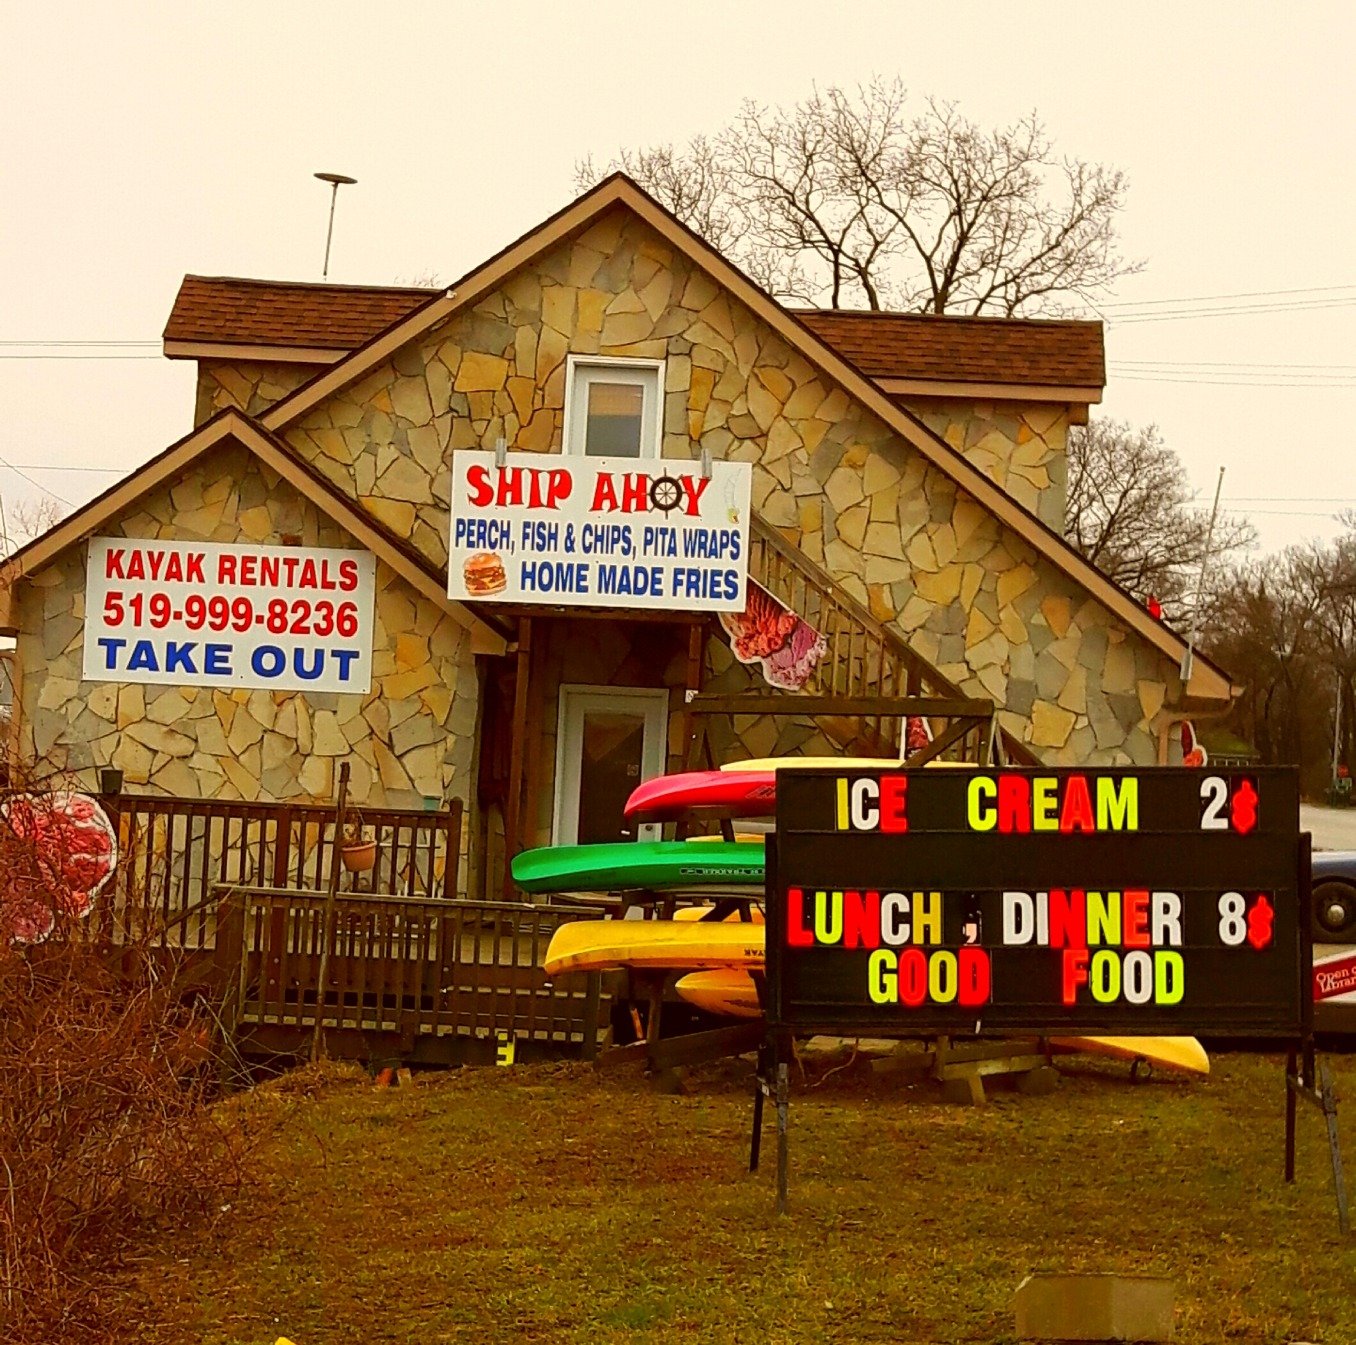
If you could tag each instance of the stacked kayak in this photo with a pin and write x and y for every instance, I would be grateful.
(719, 958)
(704, 865)
(655, 865)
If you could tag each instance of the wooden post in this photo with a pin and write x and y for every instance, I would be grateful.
(517, 749)
(452, 862)
(531, 744)
(783, 1109)
(327, 928)
(593, 999)
(696, 652)
(1328, 1101)
(1292, 1084)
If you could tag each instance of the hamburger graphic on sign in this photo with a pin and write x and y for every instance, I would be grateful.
(563, 530)
(483, 574)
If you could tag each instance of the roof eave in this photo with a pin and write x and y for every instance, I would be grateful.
(249, 350)
(1072, 394)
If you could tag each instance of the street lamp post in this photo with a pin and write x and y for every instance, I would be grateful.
(336, 180)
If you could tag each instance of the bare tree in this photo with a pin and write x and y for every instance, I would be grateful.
(1331, 573)
(1262, 625)
(24, 519)
(1129, 510)
(845, 198)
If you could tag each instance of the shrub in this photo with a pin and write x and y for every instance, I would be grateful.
(106, 1127)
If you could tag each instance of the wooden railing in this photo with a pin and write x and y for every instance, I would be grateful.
(864, 656)
(401, 965)
(175, 851)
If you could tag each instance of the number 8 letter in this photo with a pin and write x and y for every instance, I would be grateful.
(1233, 928)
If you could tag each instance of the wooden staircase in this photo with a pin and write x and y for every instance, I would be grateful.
(864, 657)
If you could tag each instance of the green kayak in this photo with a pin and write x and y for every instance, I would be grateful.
(636, 864)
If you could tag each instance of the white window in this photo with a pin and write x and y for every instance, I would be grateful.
(613, 408)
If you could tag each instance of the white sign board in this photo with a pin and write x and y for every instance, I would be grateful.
(284, 618)
(599, 532)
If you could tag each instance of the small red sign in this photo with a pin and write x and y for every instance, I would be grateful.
(1335, 976)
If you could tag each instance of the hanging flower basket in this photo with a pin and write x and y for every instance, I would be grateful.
(358, 856)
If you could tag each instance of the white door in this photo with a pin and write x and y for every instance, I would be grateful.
(608, 739)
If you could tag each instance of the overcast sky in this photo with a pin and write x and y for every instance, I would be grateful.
(139, 142)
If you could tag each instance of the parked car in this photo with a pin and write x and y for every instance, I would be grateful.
(1334, 886)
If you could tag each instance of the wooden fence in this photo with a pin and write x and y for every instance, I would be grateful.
(403, 973)
(175, 851)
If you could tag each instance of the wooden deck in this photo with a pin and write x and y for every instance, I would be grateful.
(408, 977)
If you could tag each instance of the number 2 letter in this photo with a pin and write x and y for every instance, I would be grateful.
(1214, 798)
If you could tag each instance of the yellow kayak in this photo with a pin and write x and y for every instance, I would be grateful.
(727, 992)
(690, 913)
(680, 945)
(732, 993)
(1180, 1053)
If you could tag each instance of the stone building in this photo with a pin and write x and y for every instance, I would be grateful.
(907, 469)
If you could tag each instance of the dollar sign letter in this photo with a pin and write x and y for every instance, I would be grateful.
(1260, 915)
(1243, 808)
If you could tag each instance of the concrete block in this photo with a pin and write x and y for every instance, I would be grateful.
(1095, 1308)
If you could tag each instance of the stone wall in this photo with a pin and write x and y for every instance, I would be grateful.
(250, 386)
(1020, 446)
(973, 598)
(412, 735)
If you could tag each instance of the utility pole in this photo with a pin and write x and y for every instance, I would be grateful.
(1188, 659)
(1337, 734)
(336, 180)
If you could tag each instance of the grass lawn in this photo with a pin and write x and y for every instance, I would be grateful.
(545, 1203)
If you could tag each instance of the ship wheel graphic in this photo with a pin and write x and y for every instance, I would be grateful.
(665, 493)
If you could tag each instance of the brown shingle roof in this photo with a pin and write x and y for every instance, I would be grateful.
(964, 349)
(221, 310)
(224, 310)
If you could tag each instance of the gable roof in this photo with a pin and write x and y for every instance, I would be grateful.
(1208, 681)
(232, 426)
(322, 322)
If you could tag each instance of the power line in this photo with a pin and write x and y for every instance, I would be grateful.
(1292, 513)
(49, 467)
(19, 470)
(1224, 364)
(79, 343)
(1234, 383)
(1171, 376)
(1213, 298)
(1194, 371)
(1241, 310)
(7, 356)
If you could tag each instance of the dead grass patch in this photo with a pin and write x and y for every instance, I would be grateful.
(550, 1204)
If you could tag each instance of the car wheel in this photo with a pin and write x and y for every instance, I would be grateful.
(1334, 912)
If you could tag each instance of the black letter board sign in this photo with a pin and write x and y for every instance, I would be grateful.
(1158, 901)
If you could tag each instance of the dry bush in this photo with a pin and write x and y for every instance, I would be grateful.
(106, 1131)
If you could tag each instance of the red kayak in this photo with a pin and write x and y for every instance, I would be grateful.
(711, 794)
